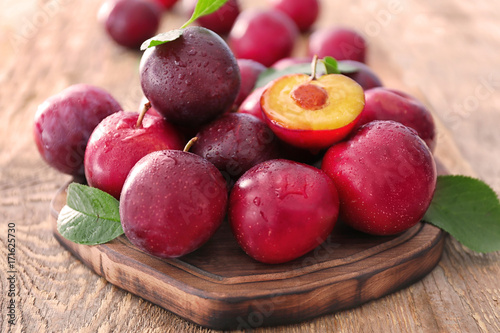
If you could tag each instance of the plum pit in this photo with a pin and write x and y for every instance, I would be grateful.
(310, 96)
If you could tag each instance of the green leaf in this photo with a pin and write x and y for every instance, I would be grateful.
(204, 7)
(469, 210)
(162, 38)
(345, 68)
(90, 216)
(271, 74)
(331, 65)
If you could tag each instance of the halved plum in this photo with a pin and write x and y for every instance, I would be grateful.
(312, 113)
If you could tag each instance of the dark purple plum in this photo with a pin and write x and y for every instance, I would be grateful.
(64, 122)
(172, 202)
(192, 79)
(236, 142)
(130, 22)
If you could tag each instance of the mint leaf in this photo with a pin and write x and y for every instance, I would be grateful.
(162, 38)
(331, 65)
(469, 210)
(272, 74)
(90, 216)
(204, 7)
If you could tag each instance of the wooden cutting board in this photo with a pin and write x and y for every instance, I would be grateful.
(220, 287)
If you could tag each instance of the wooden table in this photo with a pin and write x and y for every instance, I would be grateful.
(445, 53)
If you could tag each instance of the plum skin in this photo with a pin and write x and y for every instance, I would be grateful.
(280, 209)
(172, 202)
(251, 104)
(314, 140)
(389, 104)
(250, 71)
(265, 36)
(166, 4)
(130, 22)
(221, 21)
(236, 142)
(290, 61)
(192, 79)
(385, 176)
(364, 75)
(303, 12)
(64, 123)
(116, 145)
(340, 43)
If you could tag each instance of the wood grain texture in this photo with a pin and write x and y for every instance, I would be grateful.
(445, 52)
(220, 287)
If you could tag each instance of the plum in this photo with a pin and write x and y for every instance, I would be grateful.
(251, 104)
(312, 113)
(166, 4)
(192, 79)
(250, 71)
(236, 142)
(340, 43)
(385, 176)
(390, 104)
(290, 61)
(130, 22)
(64, 122)
(279, 210)
(221, 21)
(303, 12)
(118, 142)
(172, 202)
(263, 35)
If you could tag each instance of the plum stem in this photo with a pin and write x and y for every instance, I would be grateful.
(147, 106)
(190, 144)
(313, 67)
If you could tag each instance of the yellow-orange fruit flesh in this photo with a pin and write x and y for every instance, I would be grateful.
(337, 101)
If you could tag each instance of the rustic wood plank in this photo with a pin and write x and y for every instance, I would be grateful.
(446, 52)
